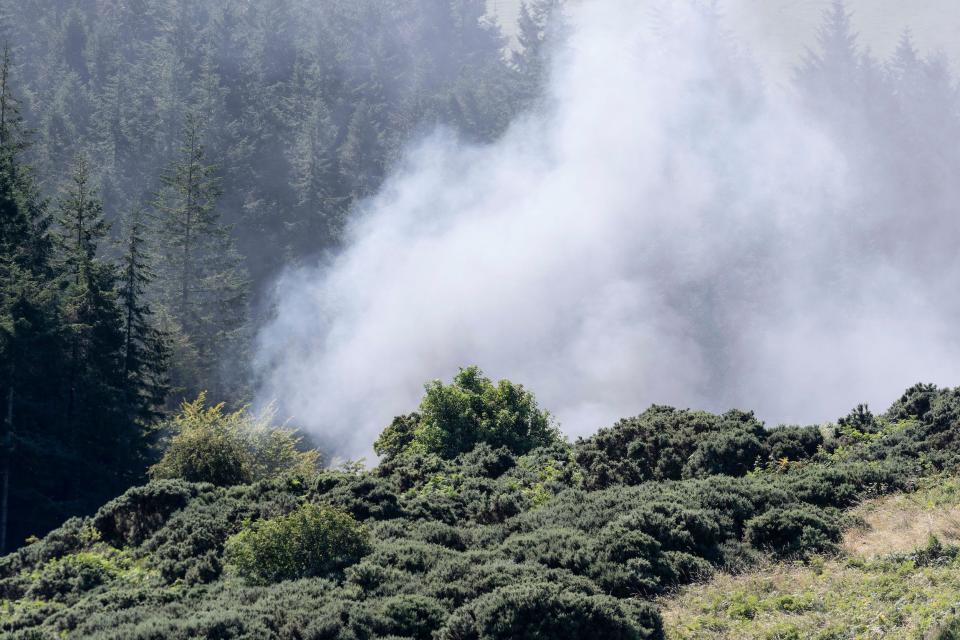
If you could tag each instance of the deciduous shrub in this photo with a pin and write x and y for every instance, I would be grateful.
(313, 541)
(454, 418)
(210, 445)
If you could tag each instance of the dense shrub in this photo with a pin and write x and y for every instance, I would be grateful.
(915, 403)
(540, 611)
(412, 616)
(630, 563)
(73, 574)
(794, 443)
(664, 443)
(454, 418)
(732, 452)
(134, 516)
(209, 445)
(365, 496)
(313, 541)
(560, 541)
(556, 548)
(795, 531)
(68, 538)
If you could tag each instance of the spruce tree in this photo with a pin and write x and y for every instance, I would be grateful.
(832, 73)
(203, 286)
(81, 227)
(100, 430)
(145, 351)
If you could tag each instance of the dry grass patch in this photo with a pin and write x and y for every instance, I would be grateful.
(902, 522)
(880, 587)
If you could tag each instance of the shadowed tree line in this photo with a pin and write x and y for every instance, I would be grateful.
(159, 162)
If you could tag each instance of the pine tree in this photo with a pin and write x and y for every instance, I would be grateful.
(203, 285)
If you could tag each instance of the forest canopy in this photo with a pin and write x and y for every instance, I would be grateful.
(160, 163)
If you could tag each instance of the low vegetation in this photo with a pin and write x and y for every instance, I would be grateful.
(896, 577)
(481, 523)
(313, 541)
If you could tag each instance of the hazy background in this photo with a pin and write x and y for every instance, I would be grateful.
(668, 227)
(783, 28)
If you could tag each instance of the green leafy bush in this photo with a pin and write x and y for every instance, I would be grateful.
(209, 445)
(313, 541)
(73, 574)
(455, 418)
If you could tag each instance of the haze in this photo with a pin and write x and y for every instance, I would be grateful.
(665, 229)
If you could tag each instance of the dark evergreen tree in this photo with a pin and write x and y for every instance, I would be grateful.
(113, 79)
(203, 288)
(145, 351)
(29, 339)
(104, 444)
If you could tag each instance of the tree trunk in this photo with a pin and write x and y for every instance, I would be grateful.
(5, 473)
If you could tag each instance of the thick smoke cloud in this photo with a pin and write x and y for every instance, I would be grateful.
(663, 229)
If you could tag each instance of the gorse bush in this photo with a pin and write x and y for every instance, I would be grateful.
(454, 418)
(795, 531)
(313, 541)
(489, 538)
(536, 611)
(210, 445)
(664, 443)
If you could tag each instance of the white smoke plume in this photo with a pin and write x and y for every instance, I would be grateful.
(662, 230)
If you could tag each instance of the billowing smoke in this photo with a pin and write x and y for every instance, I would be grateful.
(663, 229)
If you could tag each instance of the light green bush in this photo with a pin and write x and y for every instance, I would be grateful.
(455, 418)
(210, 445)
(313, 541)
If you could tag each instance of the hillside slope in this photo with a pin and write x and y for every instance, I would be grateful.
(481, 522)
(896, 578)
